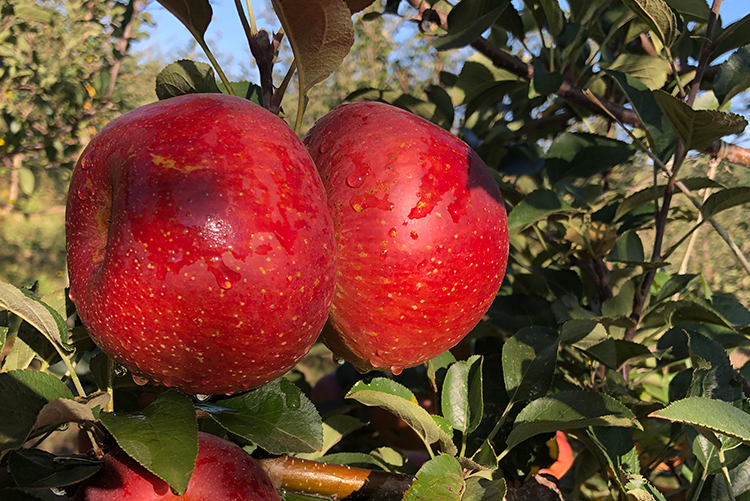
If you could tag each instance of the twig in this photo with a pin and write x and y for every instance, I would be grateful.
(706, 193)
(121, 45)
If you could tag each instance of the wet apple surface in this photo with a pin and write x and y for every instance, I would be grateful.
(421, 232)
(200, 244)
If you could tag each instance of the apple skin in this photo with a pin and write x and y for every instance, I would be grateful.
(222, 471)
(200, 244)
(421, 231)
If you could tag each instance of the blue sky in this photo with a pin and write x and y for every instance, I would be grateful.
(226, 38)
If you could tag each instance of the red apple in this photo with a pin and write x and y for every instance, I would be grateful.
(421, 231)
(200, 244)
(223, 471)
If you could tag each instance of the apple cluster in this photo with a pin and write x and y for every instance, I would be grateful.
(209, 247)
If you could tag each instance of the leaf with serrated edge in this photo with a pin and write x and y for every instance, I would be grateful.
(439, 479)
(462, 395)
(194, 14)
(185, 77)
(163, 437)
(23, 394)
(698, 128)
(658, 16)
(567, 411)
(277, 416)
(42, 317)
(536, 206)
(725, 199)
(64, 410)
(715, 415)
(733, 76)
(320, 33)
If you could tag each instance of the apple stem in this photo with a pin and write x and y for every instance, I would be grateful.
(110, 384)
(71, 371)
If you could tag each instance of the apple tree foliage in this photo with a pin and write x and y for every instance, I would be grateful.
(593, 115)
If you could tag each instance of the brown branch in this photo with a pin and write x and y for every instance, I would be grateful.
(122, 43)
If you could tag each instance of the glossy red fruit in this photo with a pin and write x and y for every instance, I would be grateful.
(200, 244)
(223, 471)
(421, 231)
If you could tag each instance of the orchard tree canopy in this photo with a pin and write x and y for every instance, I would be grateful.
(610, 364)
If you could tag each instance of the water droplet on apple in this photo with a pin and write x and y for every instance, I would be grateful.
(225, 277)
(82, 194)
(58, 491)
(356, 179)
(422, 265)
(70, 295)
(376, 362)
(392, 232)
(201, 397)
(84, 164)
(140, 381)
(396, 369)
(174, 491)
(120, 370)
(413, 235)
(338, 361)
(383, 254)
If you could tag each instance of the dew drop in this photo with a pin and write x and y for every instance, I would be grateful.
(120, 370)
(201, 397)
(413, 235)
(396, 369)
(85, 165)
(338, 361)
(205, 381)
(82, 194)
(140, 381)
(355, 179)
(58, 491)
(392, 233)
(383, 254)
(376, 362)
(422, 265)
(174, 491)
(225, 277)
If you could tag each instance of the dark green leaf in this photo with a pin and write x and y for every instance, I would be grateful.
(713, 375)
(163, 437)
(674, 286)
(615, 352)
(618, 448)
(439, 479)
(461, 400)
(477, 76)
(582, 333)
(185, 77)
(628, 248)
(698, 128)
(580, 155)
(554, 15)
(23, 394)
(692, 311)
(320, 33)
(37, 469)
(725, 199)
(437, 368)
(647, 194)
(511, 22)
(535, 206)
(468, 20)
(733, 76)
(276, 416)
(481, 488)
(692, 10)
(194, 14)
(529, 362)
(658, 16)
(546, 83)
(715, 415)
(661, 136)
(567, 411)
(732, 37)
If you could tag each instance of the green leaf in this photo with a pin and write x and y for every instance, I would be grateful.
(647, 194)
(478, 75)
(692, 10)
(546, 83)
(661, 136)
(461, 399)
(468, 20)
(673, 286)
(437, 368)
(725, 199)
(535, 206)
(334, 429)
(692, 311)
(734, 36)
(649, 70)
(658, 16)
(580, 155)
(163, 437)
(529, 359)
(582, 333)
(733, 76)
(713, 375)
(38, 314)
(715, 415)
(615, 352)
(277, 416)
(185, 77)
(194, 14)
(628, 248)
(698, 128)
(554, 15)
(37, 469)
(26, 181)
(65, 410)
(439, 479)
(567, 411)
(23, 394)
(398, 400)
(480, 488)
(320, 33)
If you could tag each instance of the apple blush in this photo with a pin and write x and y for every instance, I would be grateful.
(223, 471)
(200, 244)
(421, 232)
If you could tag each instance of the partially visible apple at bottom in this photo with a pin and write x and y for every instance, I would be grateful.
(223, 472)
